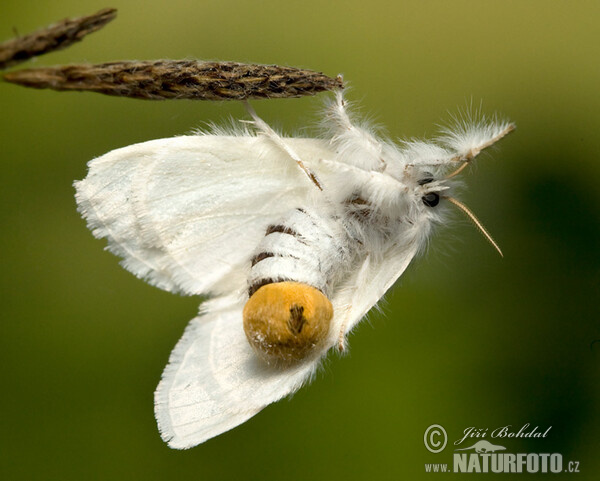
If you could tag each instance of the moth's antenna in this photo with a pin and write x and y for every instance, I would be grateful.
(471, 154)
(459, 170)
(475, 221)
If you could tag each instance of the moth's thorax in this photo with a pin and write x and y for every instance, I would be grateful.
(385, 201)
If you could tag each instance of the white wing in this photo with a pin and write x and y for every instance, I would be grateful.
(371, 283)
(214, 381)
(185, 213)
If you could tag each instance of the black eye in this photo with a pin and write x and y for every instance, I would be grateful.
(427, 179)
(431, 199)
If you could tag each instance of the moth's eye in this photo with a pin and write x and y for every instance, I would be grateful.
(427, 179)
(431, 199)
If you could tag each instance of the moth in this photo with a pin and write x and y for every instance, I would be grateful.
(293, 239)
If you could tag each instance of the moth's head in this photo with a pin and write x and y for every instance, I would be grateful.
(431, 189)
(434, 192)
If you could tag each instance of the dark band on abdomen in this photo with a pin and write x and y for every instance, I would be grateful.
(263, 282)
(281, 229)
(303, 243)
(262, 256)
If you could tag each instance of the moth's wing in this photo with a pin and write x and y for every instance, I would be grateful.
(185, 213)
(215, 381)
(367, 285)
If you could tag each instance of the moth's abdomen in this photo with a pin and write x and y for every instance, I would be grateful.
(285, 321)
(288, 314)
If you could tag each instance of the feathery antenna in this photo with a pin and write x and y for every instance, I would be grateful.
(474, 152)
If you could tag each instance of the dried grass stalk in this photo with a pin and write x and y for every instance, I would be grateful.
(54, 37)
(179, 79)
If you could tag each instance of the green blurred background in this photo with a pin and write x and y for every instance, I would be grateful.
(466, 338)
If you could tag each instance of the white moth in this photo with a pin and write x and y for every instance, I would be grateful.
(294, 239)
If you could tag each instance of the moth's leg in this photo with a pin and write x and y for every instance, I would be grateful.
(347, 133)
(383, 182)
(268, 132)
(341, 341)
(343, 123)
